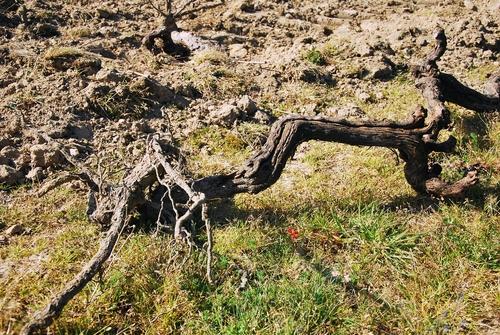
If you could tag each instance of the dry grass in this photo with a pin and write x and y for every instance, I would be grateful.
(371, 256)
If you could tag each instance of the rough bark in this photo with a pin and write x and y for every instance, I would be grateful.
(126, 197)
(414, 138)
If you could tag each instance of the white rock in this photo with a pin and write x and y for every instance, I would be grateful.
(470, 5)
(73, 152)
(237, 50)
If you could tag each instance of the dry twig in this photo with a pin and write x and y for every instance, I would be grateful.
(414, 139)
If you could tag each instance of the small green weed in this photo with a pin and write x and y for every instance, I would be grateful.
(315, 57)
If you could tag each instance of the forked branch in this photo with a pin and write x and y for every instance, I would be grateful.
(414, 138)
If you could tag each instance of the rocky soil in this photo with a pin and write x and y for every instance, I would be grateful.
(77, 87)
(76, 71)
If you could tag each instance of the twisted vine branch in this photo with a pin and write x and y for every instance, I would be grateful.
(414, 138)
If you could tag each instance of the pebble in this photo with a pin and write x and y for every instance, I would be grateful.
(16, 229)
(470, 5)
(237, 51)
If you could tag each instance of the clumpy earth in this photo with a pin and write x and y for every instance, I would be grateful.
(371, 257)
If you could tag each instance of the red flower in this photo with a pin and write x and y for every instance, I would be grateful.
(292, 233)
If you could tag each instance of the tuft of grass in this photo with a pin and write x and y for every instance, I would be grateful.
(64, 58)
(80, 32)
(129, 102)
(481, 73)
(315, 57)
(213, 57)
(213, 141)
(303, 305)
(63, 52)
(217, 80)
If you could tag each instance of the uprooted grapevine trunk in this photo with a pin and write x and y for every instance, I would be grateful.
(415, 139)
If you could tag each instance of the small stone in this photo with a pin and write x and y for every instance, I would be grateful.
(9, 176)
(364, 49)
(309, 109)
(109, 75)
(96, 90)
(363, 96)
(16, 229)
(44, 155)
(14, 127)
(4, 240)
(73, 152)
(226, 115)
(35, 174)
(262, 117)
(237, 51)
(247, 105)
(470, 5)
(492, 86)
(488, 54)
(381, 70)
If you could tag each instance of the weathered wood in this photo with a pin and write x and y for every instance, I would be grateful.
(455, 92)
(126, 197)
(414, 138)
(169, 39)
(265, 167)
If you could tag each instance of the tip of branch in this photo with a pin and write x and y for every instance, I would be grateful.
(439, 34)
(447, 146)
(440, 47)
(419, 114)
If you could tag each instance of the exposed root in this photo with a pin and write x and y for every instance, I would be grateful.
(62, 179)
(205, 217)
(414, 139)
(126, 199)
